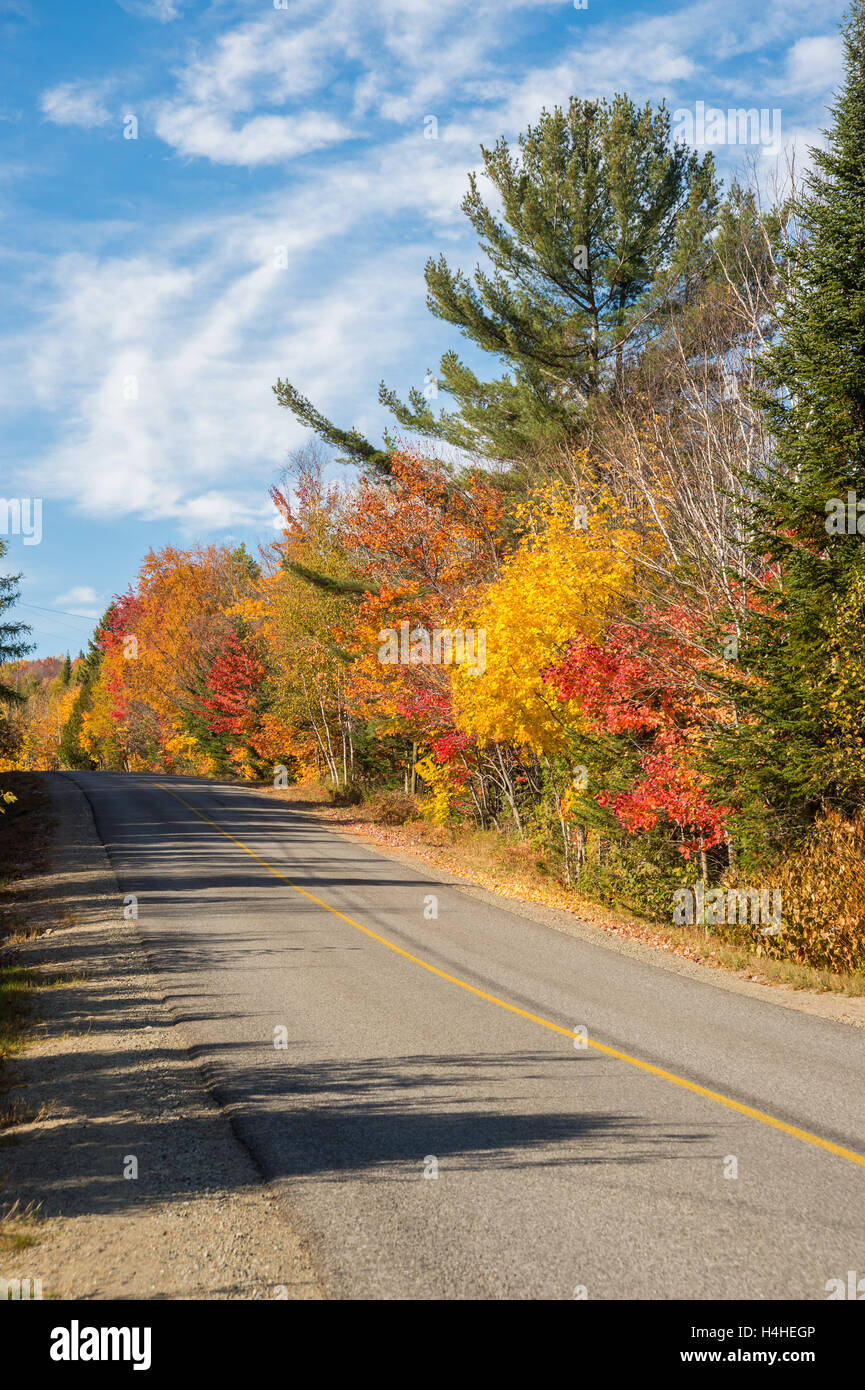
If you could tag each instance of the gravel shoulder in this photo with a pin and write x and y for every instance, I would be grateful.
(107, 1084)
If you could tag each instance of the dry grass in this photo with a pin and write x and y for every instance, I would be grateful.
(822, 890)
(19, 1228)
(17, 1112)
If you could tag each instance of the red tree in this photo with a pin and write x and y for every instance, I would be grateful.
(641, 684)
(233, 682)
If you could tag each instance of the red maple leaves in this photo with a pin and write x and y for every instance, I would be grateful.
(233, 682)
(635, 684)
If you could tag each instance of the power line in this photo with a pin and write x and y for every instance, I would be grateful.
(37, 609)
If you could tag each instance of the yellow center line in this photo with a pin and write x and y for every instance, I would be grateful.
(669, 1076)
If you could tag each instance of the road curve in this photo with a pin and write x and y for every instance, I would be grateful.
(562, 1171)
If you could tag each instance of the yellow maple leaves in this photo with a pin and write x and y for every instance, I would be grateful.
(564, 579)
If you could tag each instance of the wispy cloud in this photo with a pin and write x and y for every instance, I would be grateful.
(261, 140)
(76, 103)
(162, 10)
(815, 64)
(82, 600)
(160, 378)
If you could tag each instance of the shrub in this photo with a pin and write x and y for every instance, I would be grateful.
(822, 898)
(392, 807)
(349, 795)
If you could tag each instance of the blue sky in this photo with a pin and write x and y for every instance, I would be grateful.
(272, 218)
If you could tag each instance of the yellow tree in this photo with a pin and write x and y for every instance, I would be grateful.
(310, 716)
(37, 721)
(571, 570)
(46, 712)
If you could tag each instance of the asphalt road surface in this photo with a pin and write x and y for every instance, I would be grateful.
(563, 1171)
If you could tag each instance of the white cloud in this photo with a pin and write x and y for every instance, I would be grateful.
(162, 10)
(82, 600)
(404, 56)
(76, 103)
(265, 62)
(262, 140)
(816, 64)
(82, 593)
(160, 377)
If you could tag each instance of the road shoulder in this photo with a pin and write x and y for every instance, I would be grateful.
(106, 1078)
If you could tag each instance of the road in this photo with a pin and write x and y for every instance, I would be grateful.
(416, 1045)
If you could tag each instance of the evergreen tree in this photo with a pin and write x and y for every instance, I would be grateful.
(800, 745)
(13, 635)
(598, 208)
(70, 751)
(66, 670)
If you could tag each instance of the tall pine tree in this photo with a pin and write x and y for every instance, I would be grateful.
(597, 207)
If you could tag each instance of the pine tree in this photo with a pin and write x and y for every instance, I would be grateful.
(70, 751)
(13, 635)
(598, 207)
(66, 670)
(800, 746)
